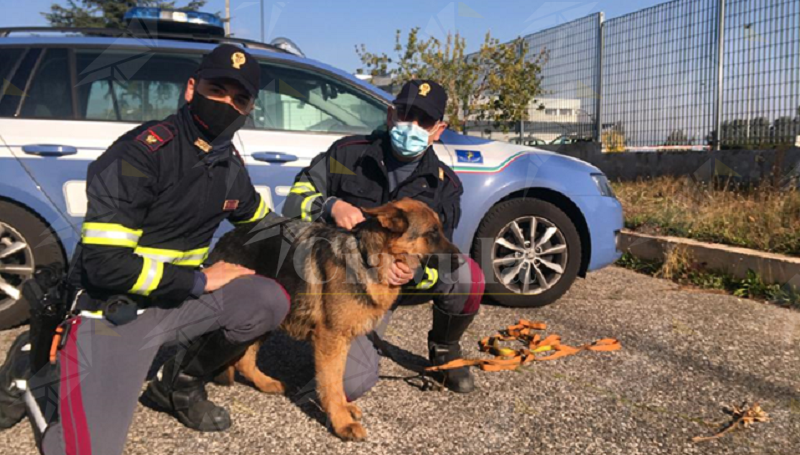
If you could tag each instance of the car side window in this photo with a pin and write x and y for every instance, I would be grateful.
(12, 77)
(300, 100)
(49, 95)
(128, 86)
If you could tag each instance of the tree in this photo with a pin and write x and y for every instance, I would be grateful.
(497, 83)
(105, 13)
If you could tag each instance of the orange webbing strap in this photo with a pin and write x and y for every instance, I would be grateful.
(511, 359)
(55, 345)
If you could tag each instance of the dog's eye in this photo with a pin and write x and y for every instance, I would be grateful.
(433, 236)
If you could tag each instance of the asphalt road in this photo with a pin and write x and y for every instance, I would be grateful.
(686, 356)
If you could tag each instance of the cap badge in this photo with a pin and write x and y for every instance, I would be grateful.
(424, 89)
(150, 139)
(238, 59)
(202, 145)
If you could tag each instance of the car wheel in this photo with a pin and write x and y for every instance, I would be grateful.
(25, 243)
(530, 253)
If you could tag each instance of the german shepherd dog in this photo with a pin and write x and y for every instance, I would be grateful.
(337, 281)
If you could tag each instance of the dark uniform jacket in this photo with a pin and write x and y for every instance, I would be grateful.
(156, 196)
(353, 170)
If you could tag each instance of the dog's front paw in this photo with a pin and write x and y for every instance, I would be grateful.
(352, 432)
(354, 411)
(269, 385)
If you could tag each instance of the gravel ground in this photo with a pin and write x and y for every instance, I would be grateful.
(686, 356)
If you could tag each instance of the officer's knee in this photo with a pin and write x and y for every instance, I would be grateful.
(356, 386)
(467, 291)
(476, 285)
(259, 306)
(361, 370)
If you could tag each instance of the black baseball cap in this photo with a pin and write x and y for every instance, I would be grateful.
(231, 62)
(428, 96)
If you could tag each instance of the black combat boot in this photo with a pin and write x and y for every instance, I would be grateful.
(181, 388)
(443, 347)
(14, 375)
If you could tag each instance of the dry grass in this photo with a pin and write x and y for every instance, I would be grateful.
(763, 218)
(677, 260)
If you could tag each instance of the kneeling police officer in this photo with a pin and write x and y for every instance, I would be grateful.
(156, 196)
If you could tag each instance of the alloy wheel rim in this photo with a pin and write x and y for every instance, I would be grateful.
(530, 255)
(16, 265)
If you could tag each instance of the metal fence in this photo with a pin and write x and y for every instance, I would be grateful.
(701, 73)
(761, 77)
(659, 74)
(569, 103)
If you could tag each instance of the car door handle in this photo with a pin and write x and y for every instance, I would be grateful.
(274, 157)
(49, 150)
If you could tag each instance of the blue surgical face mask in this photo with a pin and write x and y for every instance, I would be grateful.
(409, 139)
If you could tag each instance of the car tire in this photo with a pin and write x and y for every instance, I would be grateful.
(26, 242)
(499, 251)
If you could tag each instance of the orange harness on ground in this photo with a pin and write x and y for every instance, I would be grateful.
(511, 359)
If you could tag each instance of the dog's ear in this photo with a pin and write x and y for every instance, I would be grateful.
(390, 217)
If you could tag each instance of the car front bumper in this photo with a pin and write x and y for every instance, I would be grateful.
(605, 220)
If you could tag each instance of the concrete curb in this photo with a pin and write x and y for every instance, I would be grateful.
(772, 268)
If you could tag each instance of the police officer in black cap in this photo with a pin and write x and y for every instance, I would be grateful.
(368, 171)
(156, 196)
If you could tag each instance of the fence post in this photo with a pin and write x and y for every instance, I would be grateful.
(598, 109)
(720, 74)
(527, 108)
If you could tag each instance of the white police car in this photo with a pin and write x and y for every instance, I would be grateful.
(534, 220)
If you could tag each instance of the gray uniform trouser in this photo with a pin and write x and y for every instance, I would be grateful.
(454, 292)
(103, 367)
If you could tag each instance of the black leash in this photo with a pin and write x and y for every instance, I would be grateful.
(422, 380)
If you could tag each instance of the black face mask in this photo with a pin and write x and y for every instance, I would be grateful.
(217, 120)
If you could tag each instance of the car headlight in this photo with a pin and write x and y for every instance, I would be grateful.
(602, 184)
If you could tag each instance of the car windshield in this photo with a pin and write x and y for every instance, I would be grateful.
(299, 100)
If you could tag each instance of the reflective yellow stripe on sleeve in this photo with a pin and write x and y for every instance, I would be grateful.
(149, 278)
(260, 213)
(192, 258)
(110, 234)
(431, 277)
(305, 207)
(302, 188)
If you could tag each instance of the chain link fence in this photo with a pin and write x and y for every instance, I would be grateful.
(684, 74)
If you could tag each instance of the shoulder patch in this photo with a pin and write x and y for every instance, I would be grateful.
(155, 137)
(445, 171)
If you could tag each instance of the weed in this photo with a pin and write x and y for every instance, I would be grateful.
(762, 217)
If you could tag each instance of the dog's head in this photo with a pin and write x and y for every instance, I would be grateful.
(413, 233)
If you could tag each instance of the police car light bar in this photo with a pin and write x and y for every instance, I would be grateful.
(188, 21)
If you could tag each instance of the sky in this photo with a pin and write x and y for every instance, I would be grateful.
(329, 30)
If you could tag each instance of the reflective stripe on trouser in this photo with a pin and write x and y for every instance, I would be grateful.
(461, 296)
(110, 234)
(105, 366)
